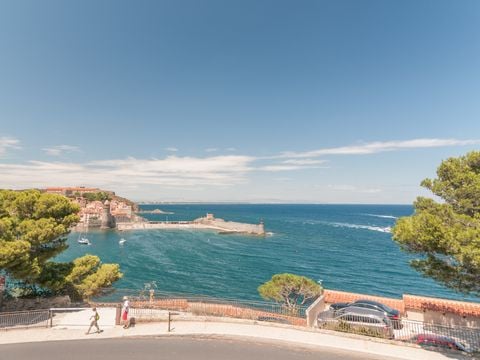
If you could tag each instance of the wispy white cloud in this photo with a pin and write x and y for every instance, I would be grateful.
(352, 188)
(211, 150)
(379, 146)
(342, 187)
(282, 179)
(294, 164)
(231, 149)
(305, 161)
(171, 149)
(280, 167)
(172, 171)
(59, 150)
(188, 173)
(7, 143)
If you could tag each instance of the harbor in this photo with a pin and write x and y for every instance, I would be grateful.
(103, 209)
(306, 239)
(208, 222)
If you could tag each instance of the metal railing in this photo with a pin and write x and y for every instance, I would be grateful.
(415, 332)
(61, 317)
(148, 314)
(144, 309)
(25, 319)
(438, 335)
(363, 324)
(207, 306)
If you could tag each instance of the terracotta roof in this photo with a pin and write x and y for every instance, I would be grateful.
(461, 308)
(413, 302)
(333, 296)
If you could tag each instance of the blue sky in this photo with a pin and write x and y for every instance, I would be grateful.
(262, 101)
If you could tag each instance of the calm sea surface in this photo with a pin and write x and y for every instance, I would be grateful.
(343, 246)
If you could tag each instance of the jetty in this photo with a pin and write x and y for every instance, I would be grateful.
(208, 222)
(154, 211)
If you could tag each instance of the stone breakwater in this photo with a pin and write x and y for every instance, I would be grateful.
(204, 223)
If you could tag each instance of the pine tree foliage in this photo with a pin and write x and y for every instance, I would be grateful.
(446, 234)
(290, 289)
(33, 230)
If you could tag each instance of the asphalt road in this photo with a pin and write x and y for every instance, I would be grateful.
(172, 348)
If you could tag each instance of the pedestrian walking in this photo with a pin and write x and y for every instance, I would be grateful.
(125, 309)
(94, 321)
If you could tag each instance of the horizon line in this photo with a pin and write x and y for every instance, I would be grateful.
(261, 203)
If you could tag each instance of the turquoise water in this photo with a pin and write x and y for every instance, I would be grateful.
(343, 246)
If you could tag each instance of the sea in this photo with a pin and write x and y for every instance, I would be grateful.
(342, 247)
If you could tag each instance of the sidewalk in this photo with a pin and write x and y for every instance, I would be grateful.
(208, 326)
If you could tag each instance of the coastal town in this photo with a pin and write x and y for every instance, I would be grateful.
(231, 180)
(411, 319)
(96, 204)
(105, 210)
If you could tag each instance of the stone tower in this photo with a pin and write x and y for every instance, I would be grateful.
(108, 221)
(261, 227)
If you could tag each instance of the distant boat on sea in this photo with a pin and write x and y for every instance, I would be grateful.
(122, 241)
(83, 240)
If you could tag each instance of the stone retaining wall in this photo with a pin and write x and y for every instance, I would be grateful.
(35, 304)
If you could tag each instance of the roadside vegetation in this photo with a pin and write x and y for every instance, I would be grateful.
(33, 231)
(290, 290)
(446, 234)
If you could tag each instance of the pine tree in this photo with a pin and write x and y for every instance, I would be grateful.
(33, 230)
(446, 234)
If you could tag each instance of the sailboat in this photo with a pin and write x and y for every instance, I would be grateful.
(82, 239)
(122, 241)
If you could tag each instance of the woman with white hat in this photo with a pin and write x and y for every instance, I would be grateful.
(125, 308)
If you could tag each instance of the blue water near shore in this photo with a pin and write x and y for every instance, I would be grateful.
(343, 246)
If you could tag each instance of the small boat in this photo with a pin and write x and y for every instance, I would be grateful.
(84, 241)
(122, 241)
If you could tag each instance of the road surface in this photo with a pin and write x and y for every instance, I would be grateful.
(173, 348)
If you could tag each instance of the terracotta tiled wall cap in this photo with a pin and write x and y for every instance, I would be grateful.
(423, 303)
(333, 296)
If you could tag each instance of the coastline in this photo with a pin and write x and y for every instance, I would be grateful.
(307, 240)
(165, 226)
(185, 225)
(208, 222)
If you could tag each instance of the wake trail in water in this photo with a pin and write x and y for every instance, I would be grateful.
(386, 229)
(383, 216)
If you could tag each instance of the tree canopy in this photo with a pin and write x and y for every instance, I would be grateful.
(33, 229)
(289, 289)
(447, 234)
(97, 196)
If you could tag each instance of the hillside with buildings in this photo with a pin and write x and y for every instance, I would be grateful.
(105, 210)
(99, 208)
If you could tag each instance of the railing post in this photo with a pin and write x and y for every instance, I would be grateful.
(169, 319)
(118, 314)
(50, 314)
